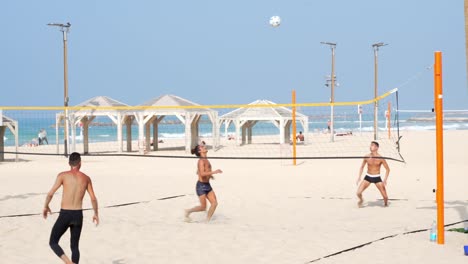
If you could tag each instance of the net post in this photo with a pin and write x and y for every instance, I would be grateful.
(388, 120)
(294, 125)
(438, 99)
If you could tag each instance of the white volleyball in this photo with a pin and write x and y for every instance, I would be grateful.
(275, 21)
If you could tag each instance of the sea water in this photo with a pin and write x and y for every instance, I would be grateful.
(102, 129)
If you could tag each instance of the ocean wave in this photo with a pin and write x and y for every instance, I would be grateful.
(416, 127)
(433, 127)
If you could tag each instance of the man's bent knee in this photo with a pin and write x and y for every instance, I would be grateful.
(57, 249)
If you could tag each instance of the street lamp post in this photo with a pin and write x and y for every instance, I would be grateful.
(65, 28)
(376, 47)
(332, 96)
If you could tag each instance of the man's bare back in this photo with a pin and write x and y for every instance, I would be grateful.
(75, 184)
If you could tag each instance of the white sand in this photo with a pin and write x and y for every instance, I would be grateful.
(269, 212)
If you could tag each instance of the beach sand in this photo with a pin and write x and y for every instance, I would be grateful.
(269, 211)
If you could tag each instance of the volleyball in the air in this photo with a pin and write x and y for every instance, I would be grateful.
(275, 21)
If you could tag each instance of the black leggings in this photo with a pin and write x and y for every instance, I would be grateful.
(74, 220)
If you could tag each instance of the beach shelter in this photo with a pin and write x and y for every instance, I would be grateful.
(155, 110)
(12, 125)
(96, 106)
(245, 118)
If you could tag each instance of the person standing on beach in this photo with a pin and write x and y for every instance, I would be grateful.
(374, 162)
(203, 187)
(43, 137)
(75, 184)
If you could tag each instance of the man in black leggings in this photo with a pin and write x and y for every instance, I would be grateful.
(75, 184)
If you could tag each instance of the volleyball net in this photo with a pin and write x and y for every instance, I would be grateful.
(171, 126)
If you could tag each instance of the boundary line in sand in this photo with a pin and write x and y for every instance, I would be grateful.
(383, 238)
(108, 206)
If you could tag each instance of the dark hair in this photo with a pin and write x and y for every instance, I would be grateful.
(196, 150)
(74, 159)
(375, 143)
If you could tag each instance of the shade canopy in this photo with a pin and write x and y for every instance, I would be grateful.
(12, 125)
(245, 118)
(96, 106)
(187, 112)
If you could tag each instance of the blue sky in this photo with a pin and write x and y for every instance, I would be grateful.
(224, 52)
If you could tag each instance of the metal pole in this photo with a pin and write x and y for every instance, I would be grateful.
(65, 90)
(376, 107)
(376, 47)
(438, 105)
(64, 28)
(332, 97)
(389, 115)
(294, 139)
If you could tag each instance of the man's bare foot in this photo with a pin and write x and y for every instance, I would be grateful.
(187, 216)
(360, 202)
(385, 202)
(65, 259)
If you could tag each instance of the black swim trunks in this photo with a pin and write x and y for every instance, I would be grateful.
(373, 179)
(203, 188)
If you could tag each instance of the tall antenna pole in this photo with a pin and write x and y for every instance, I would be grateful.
(466, 35)
(376, 47)
(65, 28)
(332, 96)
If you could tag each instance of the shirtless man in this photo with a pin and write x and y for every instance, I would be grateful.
(75, 184)
(203, 188)
(374, 161)
(300, 137)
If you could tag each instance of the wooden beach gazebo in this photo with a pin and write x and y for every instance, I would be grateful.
(245, 118)
(12, 125)
(96, 106)
(172, 105)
